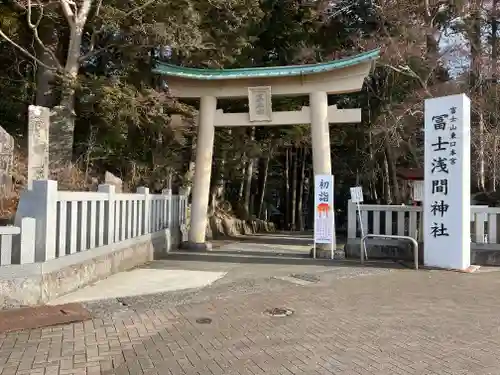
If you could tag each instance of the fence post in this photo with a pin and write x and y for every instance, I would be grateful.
(109, 213)
(184, 209)
(40, 203)
(180, 206)
(168, 211)
(147, 208)
(351, 219)
(179, 212)
(28, 236)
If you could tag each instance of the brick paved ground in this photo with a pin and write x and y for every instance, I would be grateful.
(399, 322)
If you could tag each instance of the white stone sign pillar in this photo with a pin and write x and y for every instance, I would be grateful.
(447, 182)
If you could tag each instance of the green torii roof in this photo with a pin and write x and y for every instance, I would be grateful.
(264, 72)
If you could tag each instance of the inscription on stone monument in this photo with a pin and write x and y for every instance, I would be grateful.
(38, 143)
(6, 160)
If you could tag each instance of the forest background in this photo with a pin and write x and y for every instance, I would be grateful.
(90, 62)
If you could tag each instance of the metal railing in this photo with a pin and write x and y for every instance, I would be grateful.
(362, 250)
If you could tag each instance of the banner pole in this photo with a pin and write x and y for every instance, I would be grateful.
(334, 235)
(362, 230)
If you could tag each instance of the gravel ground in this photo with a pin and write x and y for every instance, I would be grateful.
(242, 279)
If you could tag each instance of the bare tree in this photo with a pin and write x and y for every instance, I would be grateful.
(76, 14)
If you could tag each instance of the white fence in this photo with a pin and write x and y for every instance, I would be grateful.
(7, 235)
(406, 220)
(69, 222)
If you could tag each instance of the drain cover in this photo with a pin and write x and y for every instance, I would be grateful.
(42, 316)
(203, 320)
(279, 312)
(305, 277)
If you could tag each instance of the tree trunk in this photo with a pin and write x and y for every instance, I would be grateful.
(300, 193)
(494, 41)
(373, 175)
(187, 181)
(494, 176)
(482, 164)
(45, 77)
(432, 47)
(475, 85)
(248, 179)
(248, 187)
(61, 144)
(294, 156)
(63, 126)
(243, 169)
(263, 174)
(309, 201)
(386, 181)
(287, 190)
(392, 174)
(217, 187)
(494, 64)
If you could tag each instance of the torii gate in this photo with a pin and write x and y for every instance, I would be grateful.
(259, 85)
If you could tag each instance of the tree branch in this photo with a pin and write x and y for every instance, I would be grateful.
(34, 29)
(68, 12)
(406, 70)
(92, 52)
(94, 31)
(95, 53)
(98, 8)
(83, 13)
(26, 52)
(145, 5)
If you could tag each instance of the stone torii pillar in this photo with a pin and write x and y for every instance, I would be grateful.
(202, 173)
(320, 133)
(259, 84)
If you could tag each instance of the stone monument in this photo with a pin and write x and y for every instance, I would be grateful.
(6, 160)
(38, 143)
(111, 179)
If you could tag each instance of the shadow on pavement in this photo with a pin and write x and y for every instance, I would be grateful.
(297, 240)
(225, 250)
(285, 238)
(248, 257)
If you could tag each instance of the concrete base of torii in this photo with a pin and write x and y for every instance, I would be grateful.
(326, 253)
(196, 247)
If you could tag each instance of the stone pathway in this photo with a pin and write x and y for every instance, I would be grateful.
(140, 281)
(347, 320)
